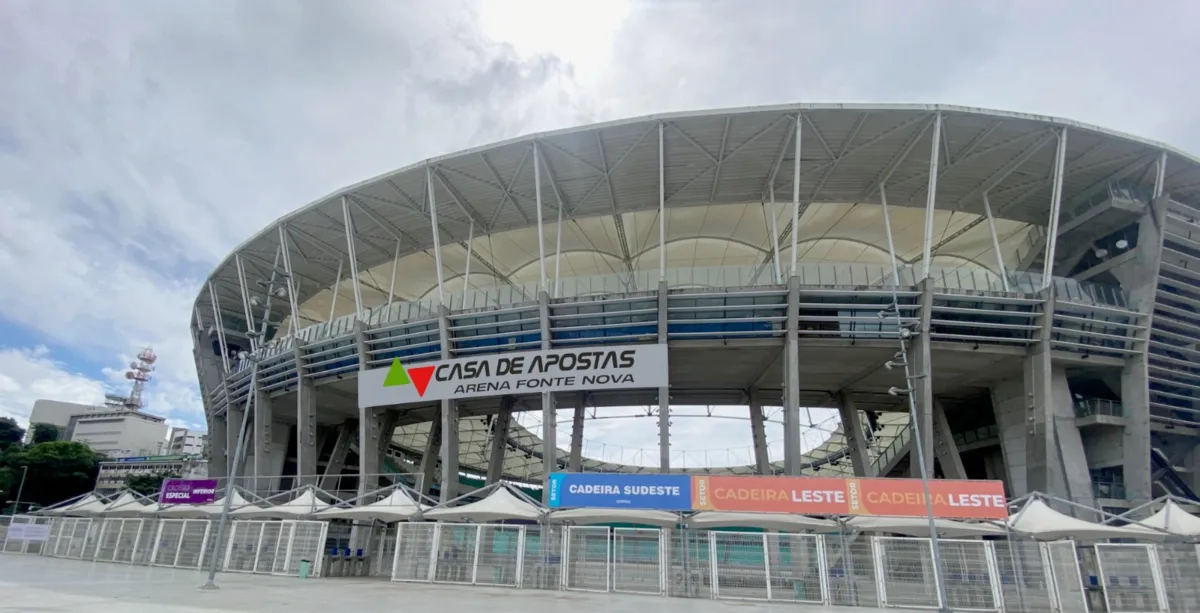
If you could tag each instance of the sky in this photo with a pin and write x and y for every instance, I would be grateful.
(140, 141)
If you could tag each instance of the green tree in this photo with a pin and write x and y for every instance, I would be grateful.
(44, 433)
(57, 471)
(149, 484)
(10, 432)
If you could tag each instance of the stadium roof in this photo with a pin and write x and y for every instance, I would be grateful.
(606, 179)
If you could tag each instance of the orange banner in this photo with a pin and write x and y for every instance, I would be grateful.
(952, 499)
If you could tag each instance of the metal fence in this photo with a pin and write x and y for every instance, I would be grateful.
(267, 547)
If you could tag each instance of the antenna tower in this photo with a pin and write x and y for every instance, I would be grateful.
(140, 372)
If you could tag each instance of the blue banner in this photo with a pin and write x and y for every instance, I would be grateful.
(616, 491)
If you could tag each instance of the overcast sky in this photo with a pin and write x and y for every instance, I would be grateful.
(141, 140)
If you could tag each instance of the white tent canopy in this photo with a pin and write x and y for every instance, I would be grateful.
(399, 506)
(202, 511)
(307, 503)
(500, 505)
(919, 526)
(126, 505)
(767, 521)
(1174, 519)
(648, 517)
(1036, 519)
(88, 505)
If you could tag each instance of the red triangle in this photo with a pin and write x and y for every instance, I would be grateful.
(420, 378)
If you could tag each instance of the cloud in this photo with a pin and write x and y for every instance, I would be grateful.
(27, 375)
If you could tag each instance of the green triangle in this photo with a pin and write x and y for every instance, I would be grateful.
(396, 375)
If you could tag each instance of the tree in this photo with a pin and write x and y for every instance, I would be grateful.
(10, 432)
(44, 433)
(57, 470)
(149, 484)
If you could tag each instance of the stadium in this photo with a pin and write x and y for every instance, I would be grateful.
(1030, 282)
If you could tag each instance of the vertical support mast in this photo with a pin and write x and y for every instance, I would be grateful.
(291, 279)
(775, 234)
(220, 326)
(1060, 162)
(796, 194)
(392, 283)
(537, 195)
(467, 272)
(337, 289)
(662, 207)
(246, 311)
(887, 227)
(1160, 174)
(350, 250)
(987, 210)
(558, 251)
(437, 240)
(931, 192)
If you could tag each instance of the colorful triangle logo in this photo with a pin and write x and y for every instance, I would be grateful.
(419, 377)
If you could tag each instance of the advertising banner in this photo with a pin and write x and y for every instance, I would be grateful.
(952, 499)
(525, 372)
(29, 532)
(616, 491)
(188, 491)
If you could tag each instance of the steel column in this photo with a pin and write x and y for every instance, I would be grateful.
(392, 284)
(792, 450)
(246, 311)
(664, 393)
(1060, 161)
(437, 240)
(662, 205)
(931, 195)
(775, 235)
(537, 196)
(337, 289)
(887, 227)
(219, 325)
(991, 221)
(467, 271)
(351, 251)
(796, 194)
(291, 279)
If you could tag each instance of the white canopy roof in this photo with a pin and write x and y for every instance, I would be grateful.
(202, 511)
(1041, 522)
(1172, 518)
(501, 504)
(303, 505)
(126, 505)
(766, 521)
(919, 526)
(662, 519)
(399, 506)
(88, 505)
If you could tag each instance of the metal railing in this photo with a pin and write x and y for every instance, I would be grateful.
(1086, 407)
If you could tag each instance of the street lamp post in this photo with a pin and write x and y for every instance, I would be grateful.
(20, 489)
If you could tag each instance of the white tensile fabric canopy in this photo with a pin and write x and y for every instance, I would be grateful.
(648, 517)
(303, 505)
(500, 505)
(399, 506)
(919, 526)
(767, 521)
(1036, 519)
(1172, 518)
(88, 505)
(202, 511)
(126, 505)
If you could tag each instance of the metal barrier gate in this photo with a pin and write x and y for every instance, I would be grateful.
(637, 561)
(181, 543)
(1131, 578)
(275, 547)
(587, 559)
(1062, 565)
(14, 544)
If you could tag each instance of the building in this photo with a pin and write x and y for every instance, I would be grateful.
(1028, 281)
(181, 441)
(57, 414)
(118, 433)
(113, 473)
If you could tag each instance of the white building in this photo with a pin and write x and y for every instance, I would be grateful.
(182, 441)
(118, 433)
(56, 413)
(112, 474)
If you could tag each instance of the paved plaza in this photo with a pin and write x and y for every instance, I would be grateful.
(36, 584)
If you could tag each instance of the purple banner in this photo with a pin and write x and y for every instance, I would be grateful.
(188, 491)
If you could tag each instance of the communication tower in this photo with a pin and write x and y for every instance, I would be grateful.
(140, 372)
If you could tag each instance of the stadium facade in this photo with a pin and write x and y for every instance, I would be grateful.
(1044, 274)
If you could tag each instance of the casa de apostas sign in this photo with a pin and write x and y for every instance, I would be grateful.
(526, 372)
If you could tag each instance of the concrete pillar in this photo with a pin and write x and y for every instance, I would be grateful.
(219, 446)
(575, 464)
(922, 384)
(387, 430)
(263, 437)
(306, 429)
(429, 460)
(370, 430)
(1140, 280)
(852, 429)
(945, 449)
(346, 435)
(1040, 472)
(758, 434)
(549, 413)
(449, 418)
(664, 393)
(792, 450)
(499, 442)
